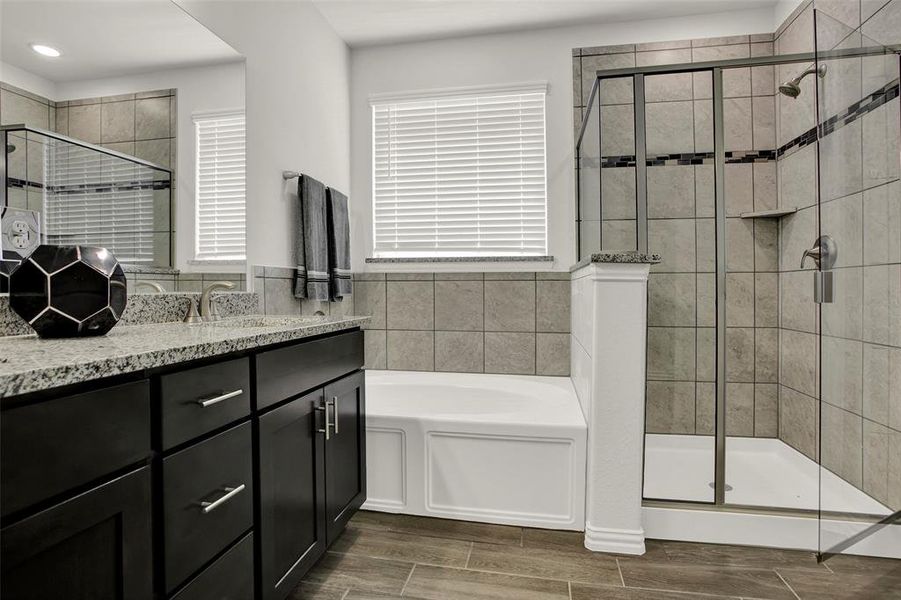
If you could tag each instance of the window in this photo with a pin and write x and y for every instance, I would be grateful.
(460, 174)
(219, 193)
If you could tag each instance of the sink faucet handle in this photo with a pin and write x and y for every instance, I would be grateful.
(208, 309)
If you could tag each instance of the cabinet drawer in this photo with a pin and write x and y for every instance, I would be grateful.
(207, 500)
(199, 400)
(53, 446)
(229, 578)
(287, 372)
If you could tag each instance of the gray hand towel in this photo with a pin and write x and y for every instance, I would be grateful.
(311, 244)
(338, 245)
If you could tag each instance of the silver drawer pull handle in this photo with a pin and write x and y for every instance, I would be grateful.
(204, 402)
(335, 408)
(324, 409)
(230, 492)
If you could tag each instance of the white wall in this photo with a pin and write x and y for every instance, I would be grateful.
(27, 80)
(297, 77)
(198, 89)
(541, 55)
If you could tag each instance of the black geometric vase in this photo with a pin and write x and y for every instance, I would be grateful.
(69, 291)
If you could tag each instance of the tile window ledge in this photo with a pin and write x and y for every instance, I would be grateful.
(214, 262)
(456, 259)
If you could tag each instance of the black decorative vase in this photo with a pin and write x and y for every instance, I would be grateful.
(69, 291)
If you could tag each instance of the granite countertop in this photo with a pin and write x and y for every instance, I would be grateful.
(619, 257)
(29, 364)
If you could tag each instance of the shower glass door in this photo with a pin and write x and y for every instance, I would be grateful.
(858, 286)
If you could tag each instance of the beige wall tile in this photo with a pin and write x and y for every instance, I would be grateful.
(842, 444)
(671, 353)
(740, 354)
(510, 353)
(411, 350)
(84, 123)
(552, 306)
(672, 299)
(798, 424)
(740, 409)
(411, 305)
(798, 361)
(766, 410)
(151, 118)
(670, 407)
(460, 351)
(370, 300)
(510, 305)
(842, 364)
(459, 305)
(552, 354)
(117, 122)
(375, 349)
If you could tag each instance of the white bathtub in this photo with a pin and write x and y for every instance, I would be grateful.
(504, 449)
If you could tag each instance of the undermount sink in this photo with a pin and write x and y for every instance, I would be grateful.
(264, 321)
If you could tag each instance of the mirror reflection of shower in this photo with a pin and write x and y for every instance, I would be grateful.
(792, 88)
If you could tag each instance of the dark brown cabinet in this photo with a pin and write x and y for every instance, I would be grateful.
(345, 452)
(214, 480)
(95, 546)
(292, 493)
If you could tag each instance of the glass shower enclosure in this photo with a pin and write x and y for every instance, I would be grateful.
(60, 190)
(772, 382)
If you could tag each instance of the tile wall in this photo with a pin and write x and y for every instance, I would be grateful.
(275, 285)
(466, 322)
(681, 309)
(851, 408)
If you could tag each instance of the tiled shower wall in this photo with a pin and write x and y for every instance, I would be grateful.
(514, 323)
(855, 417)
(681, 310)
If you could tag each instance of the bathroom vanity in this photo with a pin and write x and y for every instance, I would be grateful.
(174, 461)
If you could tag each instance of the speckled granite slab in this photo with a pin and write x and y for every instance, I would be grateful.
(150, 308)
(29, 364)
(624, 257)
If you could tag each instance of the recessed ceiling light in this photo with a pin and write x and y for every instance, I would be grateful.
(45, 50)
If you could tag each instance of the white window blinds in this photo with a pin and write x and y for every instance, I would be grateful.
(219, 194)
(460, 175)
(96, 199)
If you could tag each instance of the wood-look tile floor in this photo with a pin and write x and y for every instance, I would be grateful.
(383, 556)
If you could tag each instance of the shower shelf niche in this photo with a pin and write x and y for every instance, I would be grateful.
(769, 214)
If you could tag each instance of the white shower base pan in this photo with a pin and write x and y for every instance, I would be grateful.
(761, 472)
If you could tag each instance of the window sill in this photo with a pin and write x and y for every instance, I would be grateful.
(214, 262)
(456, 259)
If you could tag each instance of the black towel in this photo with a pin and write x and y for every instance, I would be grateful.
(338, 245)
(311, 243)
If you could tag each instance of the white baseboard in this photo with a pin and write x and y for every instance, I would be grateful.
(619, 541)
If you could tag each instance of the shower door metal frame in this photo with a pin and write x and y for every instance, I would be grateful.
(716, 68)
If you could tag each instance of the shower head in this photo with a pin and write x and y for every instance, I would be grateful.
(792, 88)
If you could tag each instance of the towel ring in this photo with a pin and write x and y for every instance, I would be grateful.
(290, 175)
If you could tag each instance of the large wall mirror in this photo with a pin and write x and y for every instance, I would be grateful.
(123, 128)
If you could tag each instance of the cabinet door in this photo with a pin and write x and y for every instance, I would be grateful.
(345, 452)
(292, 493)
(95, 546)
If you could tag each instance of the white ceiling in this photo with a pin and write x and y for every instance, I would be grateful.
(369, 22)
(105, 38)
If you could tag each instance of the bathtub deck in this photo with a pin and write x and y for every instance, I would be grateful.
(395, 556)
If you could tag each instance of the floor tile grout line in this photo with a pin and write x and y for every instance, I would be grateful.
(569, 589)
(782, 579)
(828, 568)
(409, 576)
(469, 555)
(619, 570)
(345, 594)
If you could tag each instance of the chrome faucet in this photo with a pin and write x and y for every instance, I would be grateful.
(152, 285)
(208, 309)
